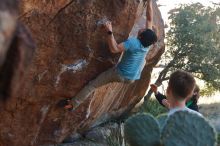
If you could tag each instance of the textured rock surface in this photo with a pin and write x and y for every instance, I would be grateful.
(71, 51)
(104, 135)
(16, 52)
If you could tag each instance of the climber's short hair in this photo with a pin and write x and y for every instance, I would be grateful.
(147, 37)
(181, 84)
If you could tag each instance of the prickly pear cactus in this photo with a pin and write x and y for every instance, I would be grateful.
(142, 130)
(162, 118)
(187, 129)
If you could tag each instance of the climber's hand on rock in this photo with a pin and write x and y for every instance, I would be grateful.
(108, 26)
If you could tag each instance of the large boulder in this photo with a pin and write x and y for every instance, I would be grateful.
(16, 51)
(71, 51)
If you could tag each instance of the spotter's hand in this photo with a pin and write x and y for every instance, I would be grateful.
(153, 88)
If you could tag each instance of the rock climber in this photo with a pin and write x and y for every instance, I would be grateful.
(131, 65)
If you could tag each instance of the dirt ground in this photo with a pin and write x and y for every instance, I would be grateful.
(212, 113)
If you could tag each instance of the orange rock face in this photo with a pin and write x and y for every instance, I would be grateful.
(16, 52)
(71, 51)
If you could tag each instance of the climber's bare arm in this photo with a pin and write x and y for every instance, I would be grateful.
(113, 45)
(149, 15)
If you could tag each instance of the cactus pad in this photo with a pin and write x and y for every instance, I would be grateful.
(187, 129)
(162, 120)
(142, 130)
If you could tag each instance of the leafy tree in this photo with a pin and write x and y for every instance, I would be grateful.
(193, 44)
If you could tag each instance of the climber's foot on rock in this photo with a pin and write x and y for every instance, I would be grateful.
(72, 104)
(68, 104)
(62, 103)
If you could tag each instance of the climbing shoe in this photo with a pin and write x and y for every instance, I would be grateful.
(69, 104)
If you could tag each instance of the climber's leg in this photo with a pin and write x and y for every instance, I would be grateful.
(111, 75)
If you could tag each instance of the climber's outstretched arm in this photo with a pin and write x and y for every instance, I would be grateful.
(149, 15)
(113, 45)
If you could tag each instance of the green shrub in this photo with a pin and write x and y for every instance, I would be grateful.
(115, 138)
(153, 107)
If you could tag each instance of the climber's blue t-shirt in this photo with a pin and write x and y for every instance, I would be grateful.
(133, 60)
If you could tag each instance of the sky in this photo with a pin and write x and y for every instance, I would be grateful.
(170, 4)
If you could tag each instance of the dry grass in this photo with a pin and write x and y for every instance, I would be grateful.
(210, 100)
(210, 108)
